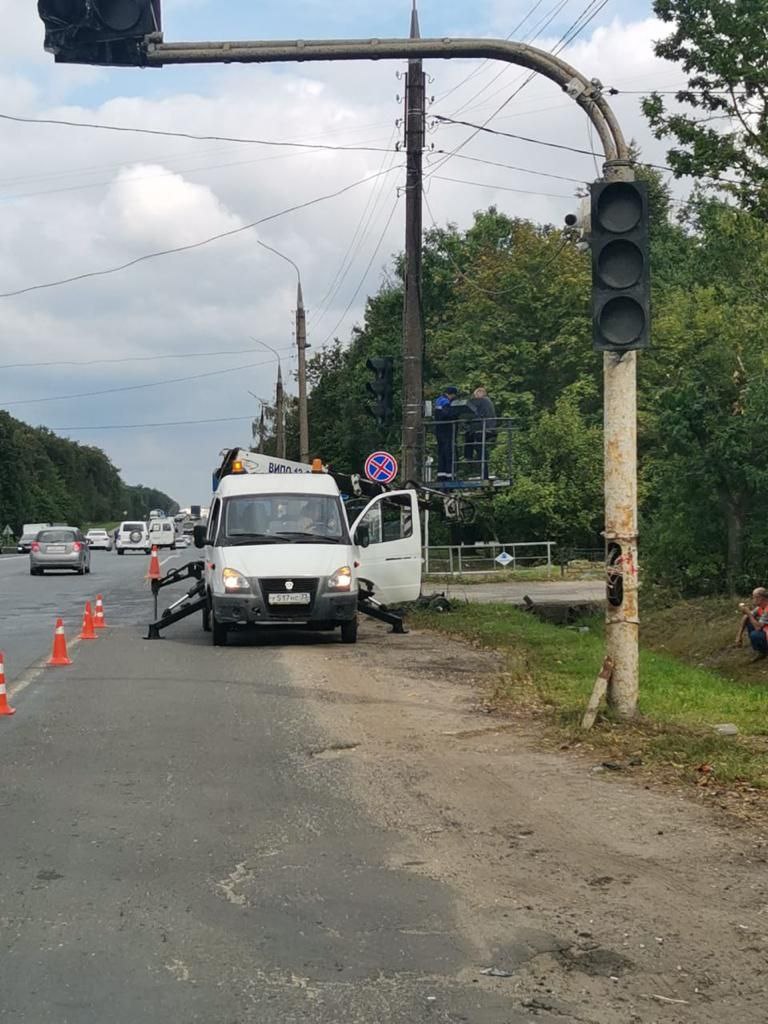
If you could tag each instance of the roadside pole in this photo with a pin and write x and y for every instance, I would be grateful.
(413, 313)
(301, 344)
(622, 622)
(280, 414)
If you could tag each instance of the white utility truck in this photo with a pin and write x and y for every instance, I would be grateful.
(280, 550)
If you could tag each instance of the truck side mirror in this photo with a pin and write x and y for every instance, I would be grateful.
(199, 534)
(363, 536)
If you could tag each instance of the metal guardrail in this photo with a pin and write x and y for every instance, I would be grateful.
(481, 557)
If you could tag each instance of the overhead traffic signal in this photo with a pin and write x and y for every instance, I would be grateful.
(99, 31)
(381, 388)
(621, 282)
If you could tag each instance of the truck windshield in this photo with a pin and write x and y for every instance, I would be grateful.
(294, 518)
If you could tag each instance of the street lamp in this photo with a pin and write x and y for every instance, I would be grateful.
(301, 344)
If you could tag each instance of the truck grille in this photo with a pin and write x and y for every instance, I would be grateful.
(277, 585)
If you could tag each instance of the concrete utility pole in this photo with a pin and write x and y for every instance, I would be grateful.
(280, 414)
(622, 621)
(620, 386)
(301, 344)
(413, 311)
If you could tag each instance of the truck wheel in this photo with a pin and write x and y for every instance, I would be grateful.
(349, 631)
(120, 551)
(218, 632)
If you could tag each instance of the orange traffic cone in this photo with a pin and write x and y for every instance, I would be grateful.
(59, 654)
(88, 633)
(5, 707)
(99, 620)
(154, 566)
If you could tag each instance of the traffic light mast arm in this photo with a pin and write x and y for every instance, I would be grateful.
(581, 89)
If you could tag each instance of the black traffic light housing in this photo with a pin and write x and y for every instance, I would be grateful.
(621, 281)
(110, 32)
(381, 388)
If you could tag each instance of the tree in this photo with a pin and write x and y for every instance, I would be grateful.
(721, 45)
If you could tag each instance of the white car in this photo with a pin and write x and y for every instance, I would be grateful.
(99, 539)
(182, 540)
(133, 536)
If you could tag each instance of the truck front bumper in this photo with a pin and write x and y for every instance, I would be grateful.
(327, 609)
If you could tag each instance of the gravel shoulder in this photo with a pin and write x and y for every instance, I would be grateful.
(603, 901)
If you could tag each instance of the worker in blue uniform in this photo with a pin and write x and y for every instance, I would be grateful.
(446, 415)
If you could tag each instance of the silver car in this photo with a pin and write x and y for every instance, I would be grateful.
(60, 548)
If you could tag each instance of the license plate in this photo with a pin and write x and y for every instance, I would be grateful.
(290, 598)
(56, 549)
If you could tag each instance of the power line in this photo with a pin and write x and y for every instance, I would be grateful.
(484, 63)
(504, 188)
(512, 135)
(593, 8)
(513, 167)
(193, 245)
(166, 423)
(365, 272)
(135, 387)
(128, 359)
(186, 135)
(172, 172)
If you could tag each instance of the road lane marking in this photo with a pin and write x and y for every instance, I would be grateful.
(170, 558)
(35, 671)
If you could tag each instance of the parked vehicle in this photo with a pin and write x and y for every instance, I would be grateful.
(162, 533)
(132, 536)
(59, 548)
(279, 550)
(99, 539)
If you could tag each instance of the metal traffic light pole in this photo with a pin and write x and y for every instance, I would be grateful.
(620, 371)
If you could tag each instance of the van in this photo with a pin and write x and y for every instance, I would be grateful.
(162, 533)
(280, 552)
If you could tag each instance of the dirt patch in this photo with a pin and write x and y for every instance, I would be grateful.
(597, 899)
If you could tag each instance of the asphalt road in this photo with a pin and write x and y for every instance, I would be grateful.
(555, 591)
(175, 846)
(29, 605)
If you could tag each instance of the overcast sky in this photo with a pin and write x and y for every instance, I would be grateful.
(76, 200)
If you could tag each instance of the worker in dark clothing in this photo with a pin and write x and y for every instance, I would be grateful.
(445, 431)
(481, 432)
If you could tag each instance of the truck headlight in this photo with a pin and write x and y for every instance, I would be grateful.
(234, 580)
(341, 579)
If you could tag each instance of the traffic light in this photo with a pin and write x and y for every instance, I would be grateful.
(99, 31)
(621, 282)
(381, 388)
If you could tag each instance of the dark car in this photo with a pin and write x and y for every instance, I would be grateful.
(60, 548)
(25, 543)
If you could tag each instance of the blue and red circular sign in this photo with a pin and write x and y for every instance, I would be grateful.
(381, 467)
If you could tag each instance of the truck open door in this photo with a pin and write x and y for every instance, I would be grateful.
(392, 560)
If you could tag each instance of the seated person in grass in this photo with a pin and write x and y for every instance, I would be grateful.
(755, 622)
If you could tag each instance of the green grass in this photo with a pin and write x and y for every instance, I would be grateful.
(553, 669)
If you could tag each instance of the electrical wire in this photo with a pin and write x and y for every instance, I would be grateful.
(166, 423)
(365, 273)
(504, 188)
(193, 245)
(513, 167)
(587, 15)
(129, 359)
(485, 63)
(134, 387)
(358, 240)
(185, 135)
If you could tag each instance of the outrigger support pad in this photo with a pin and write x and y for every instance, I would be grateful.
(368, 605)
